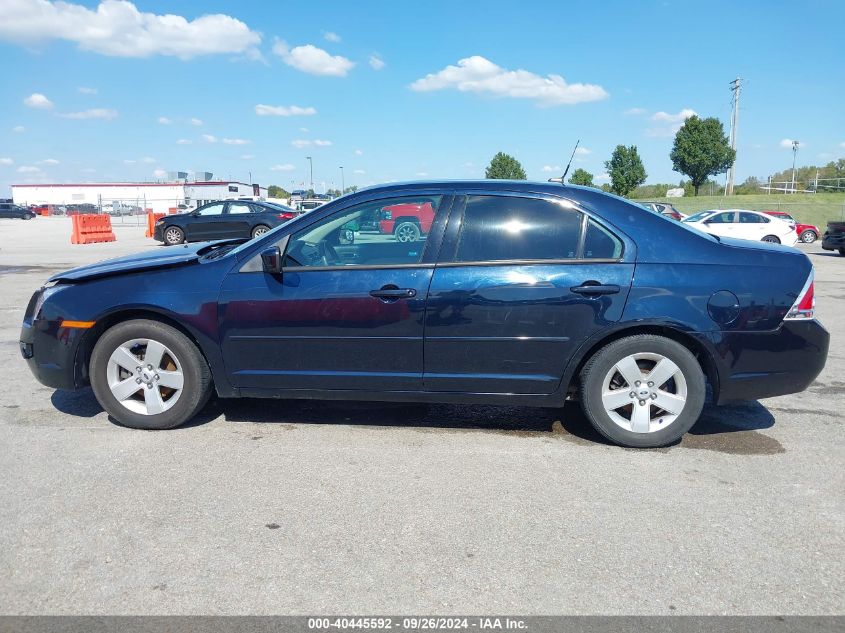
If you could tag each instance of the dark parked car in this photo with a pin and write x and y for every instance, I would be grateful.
(834, 237)
(521, 293)
(11, 210)
(664, 209)
(222, 220)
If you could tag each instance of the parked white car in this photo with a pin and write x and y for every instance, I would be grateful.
(744, 225)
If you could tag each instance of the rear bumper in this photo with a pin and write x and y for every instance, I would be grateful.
(765, 364)
(833, 242)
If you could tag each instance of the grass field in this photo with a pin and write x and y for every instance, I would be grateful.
(808, 208)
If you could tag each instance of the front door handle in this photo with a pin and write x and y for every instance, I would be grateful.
(394, 293)
(595, 289)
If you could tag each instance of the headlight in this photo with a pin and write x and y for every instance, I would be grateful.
(160, 221)
(45, 293)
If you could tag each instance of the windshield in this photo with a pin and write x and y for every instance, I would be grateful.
(698, 217)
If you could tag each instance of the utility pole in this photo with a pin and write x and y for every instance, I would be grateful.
(736, 88)
(794, 154)
(311, 166)
(342, 181)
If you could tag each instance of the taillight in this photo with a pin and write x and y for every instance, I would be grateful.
(805, 306)
(286, 216)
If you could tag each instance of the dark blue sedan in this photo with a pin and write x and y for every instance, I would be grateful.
(520, 293)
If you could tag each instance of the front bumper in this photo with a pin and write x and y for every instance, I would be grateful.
(755, 365)
(158, 232)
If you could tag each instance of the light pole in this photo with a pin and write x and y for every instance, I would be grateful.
(342, 182)
(250, 177)
(794, 153)
(311, 166)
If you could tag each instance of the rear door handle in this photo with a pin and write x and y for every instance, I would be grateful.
(595, 289)
(394, 293)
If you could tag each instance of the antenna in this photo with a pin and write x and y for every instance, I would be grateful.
(569, 164)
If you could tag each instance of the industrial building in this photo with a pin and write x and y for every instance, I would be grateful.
(156, 196)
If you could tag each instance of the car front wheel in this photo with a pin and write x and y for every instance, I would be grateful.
(771, 239)
(173, 235)
(809, 236)
(407, 232)
(149, 375)
(643, 391)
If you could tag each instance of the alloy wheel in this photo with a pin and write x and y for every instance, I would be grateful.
(407, 233)
(145, 376)
(644, 393)
(173, 236)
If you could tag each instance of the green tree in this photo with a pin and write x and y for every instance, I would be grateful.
(701, 149)
(625, 169)
(351, 189)
(504, 167)
(581, 177)
(275, 191)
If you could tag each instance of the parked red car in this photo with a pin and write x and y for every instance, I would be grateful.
(807, 233)
(408, 222)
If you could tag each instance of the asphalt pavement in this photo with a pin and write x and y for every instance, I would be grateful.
(289, 507)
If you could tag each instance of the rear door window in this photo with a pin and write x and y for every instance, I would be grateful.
(504, 228)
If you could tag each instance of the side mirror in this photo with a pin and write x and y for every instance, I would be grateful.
(271, 259)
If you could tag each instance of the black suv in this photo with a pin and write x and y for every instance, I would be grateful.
(222, 220)
(834, 237)
(9, 209)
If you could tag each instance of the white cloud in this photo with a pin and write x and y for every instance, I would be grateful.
(359, 152)
(159, 173)
(28, 169)
(678, 117)
(89, 170)
(49, 161)
(422, 174)
(301, 142)
(787, 144)
(603, 177)
(195, 121)
(360, 172)
(551, 169)
(313, 60)
(303, 129)
(247, 156)
(285, 167)
(184, 141)
(480, 75)
(129, 161)
(209, 138)
(149, 160)
(93, 113)
(842, 145)
(86, 91)
(330, 36)
(634, 111)
(376, 62)
(38, 101)
(164, 120)
(268, 110)
(236, 141)
(583, 151)
(19, 129)
(118, 28)
(6, 161)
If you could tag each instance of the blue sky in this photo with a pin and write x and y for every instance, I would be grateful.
(115, 92)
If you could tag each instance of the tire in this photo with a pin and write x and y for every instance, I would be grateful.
(771, 239)
(407, 232)
(260, 230)
(842, 251)
(173, 235)
(131, 341)
(809, 236)
(684, 389)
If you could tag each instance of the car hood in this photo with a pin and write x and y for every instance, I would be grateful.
(163, 257)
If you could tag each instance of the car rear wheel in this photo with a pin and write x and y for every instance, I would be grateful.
(809, 236)
(149, 375)
(643, 391)
(771, 239)
(407, 232)
(173, 235)
(260, 230)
